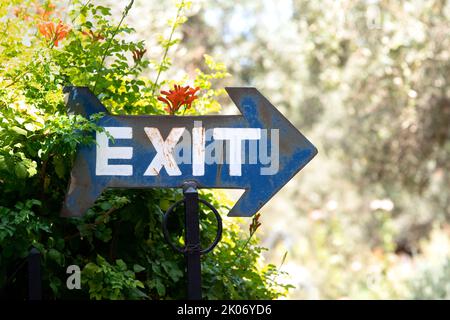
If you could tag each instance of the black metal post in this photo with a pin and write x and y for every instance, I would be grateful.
(34, 275)
(192, 241)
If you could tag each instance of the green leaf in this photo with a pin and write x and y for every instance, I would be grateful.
(105, 206)
(32, 169)
(3, 165)
(122, 266)
(30, 127)
(56, 256)
(60, 167)
(19, 130)
(160, 288)
(20, 170)
(138, 268)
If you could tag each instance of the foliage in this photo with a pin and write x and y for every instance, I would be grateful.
(116, 281)
(119, 242)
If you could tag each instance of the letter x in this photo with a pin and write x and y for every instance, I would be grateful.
(164, 149)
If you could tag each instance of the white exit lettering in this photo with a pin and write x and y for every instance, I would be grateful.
(193, 149)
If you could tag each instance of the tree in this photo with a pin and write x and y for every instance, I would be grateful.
(118, 243)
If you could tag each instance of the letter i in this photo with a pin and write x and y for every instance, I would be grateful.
(198, 149)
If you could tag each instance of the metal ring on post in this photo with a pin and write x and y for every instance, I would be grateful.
(184, 249)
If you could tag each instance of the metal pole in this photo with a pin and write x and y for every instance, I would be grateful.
(34, 275)
(192, 241)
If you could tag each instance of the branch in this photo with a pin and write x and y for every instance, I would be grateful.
(167, 47)
(92, 225)
(108, 45)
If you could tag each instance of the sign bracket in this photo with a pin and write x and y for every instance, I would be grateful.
(192, 249)
(192, 225)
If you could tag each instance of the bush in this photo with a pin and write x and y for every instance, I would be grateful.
(119, 242)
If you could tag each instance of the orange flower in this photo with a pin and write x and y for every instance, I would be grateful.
(93, 36)
(52, 31)
(21, 12)
(177, 97)
(138, 54)
(255, 224)
(45, 11)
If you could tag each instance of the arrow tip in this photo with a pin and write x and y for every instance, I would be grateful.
(295, 150)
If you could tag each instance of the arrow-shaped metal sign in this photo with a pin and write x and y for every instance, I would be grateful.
(259, 151)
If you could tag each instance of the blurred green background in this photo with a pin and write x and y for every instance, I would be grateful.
(367, 82)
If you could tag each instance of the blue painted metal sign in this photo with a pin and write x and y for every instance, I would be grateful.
(259, 151)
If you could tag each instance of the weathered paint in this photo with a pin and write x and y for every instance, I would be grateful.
(138, 156)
